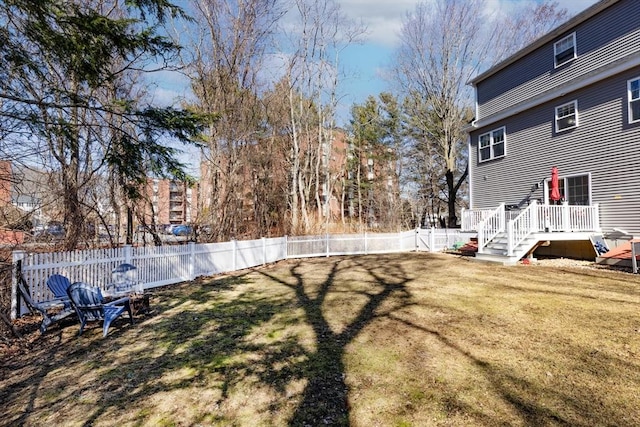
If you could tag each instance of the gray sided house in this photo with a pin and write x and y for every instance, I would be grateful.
(571, 100)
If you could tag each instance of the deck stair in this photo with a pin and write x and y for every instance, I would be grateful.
(504, 238)
(497, 249)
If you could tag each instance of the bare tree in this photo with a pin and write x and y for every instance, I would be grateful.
(443, 44)
(321, 33)
(525, 25)
(228, 48)
(438, 54)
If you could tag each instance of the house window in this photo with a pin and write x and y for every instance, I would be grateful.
(567, 116)
(575, 190)
(564, 50)
(492, 144)
(634, 100)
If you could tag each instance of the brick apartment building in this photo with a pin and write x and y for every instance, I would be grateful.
(169, 202)
(337, 181)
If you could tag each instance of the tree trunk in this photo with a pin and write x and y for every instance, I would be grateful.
(73, 218)
(453, 189)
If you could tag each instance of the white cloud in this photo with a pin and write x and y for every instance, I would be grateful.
(508, 6)
(274, 67)
(576, 6)
(168, 88)
(384, 18)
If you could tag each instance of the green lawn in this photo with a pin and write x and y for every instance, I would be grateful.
(409, 339)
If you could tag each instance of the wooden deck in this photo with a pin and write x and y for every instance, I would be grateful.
(619, 256)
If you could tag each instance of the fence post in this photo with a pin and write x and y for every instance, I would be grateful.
(192, 260)
(416, 238)
(432, 239)
(566, 218)
(17, 256)
(326, 238)
(264, 251)
(366, 244)
(286, 246)
(596, 216)
(127, 254)
(510, 231)
(234, 244)
(464, 222)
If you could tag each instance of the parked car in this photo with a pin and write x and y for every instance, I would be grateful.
(182, 230)
(52, 230)
(148, 228)
(166, 228)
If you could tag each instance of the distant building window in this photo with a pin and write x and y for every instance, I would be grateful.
(634, 100)
(567, 116)
(491, 145)
(564, 50)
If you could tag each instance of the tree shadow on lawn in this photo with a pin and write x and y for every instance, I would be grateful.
(325, 397)
(506, 384)
(540, 402)
(200, 333)
(29, 387)
(200, 336)
(90, 373)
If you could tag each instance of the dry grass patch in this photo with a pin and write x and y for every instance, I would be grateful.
(389, 340)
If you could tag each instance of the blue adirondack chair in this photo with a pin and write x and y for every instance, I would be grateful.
(58, 284)
(50, 310)
(90, 306)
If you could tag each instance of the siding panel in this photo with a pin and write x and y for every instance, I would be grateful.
(604, 145)
(535, 73)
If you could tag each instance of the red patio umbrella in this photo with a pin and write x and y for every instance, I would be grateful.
(555, 186)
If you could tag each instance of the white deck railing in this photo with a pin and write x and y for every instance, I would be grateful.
(471, 218)
(552, 218)
(568, 218)
(490, 226)
(522, 226)
(164, 265)
(534, 218)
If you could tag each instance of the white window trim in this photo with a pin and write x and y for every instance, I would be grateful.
(547, 185)
(492, 143)
(555, 50)
(575, 109)
(629, 100)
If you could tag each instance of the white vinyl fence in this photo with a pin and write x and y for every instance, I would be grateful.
(164, 265)
(635, 251)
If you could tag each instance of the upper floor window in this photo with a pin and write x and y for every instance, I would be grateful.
(634, 100)
(564, 50)
(567, 116)
(491, 145)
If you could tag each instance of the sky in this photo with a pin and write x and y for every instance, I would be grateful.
(383, 19)
(365, 63)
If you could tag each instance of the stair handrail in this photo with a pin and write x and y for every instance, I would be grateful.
(471, 218)
(490, 226)
(521, 227)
